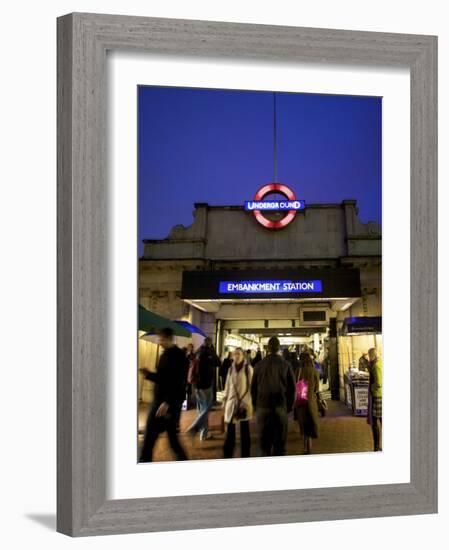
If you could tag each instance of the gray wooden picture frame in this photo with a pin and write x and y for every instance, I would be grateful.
(83, 40)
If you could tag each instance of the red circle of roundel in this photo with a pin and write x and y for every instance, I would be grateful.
(274, 188)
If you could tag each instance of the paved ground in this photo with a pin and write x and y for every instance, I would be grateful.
(340, 432)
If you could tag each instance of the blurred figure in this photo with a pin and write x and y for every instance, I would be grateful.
(364, 362)
(224, 368)
(286, 356)
(325, 366)
(295, 364)
(318, 367)
(203, 375)
(237, 405)
(169, 393)
(374, 416)
(307, 412)
(257, 357)
(190, 354)
(273, 395)
(248, 356)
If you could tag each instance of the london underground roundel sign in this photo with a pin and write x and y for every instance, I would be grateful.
(259, 205)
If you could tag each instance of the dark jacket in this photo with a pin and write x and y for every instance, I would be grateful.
(295, 365)
(208, 361)
(224, 368)
(170, 377)
(257, 358)
(273, 384)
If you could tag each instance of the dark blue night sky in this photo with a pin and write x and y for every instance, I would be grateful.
(216, 146)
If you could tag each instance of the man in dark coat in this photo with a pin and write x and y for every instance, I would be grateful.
(170, 381)
(273, 392)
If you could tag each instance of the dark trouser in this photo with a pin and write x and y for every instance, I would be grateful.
(325, 373)
(245, 439)
(376, 428)
(272, 425)
(190, 396)
(214, 385)
(222, 382)
(157, 425)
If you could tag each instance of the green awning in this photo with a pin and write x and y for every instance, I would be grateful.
(152, 322)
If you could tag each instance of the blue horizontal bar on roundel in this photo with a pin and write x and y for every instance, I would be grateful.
(275, 205)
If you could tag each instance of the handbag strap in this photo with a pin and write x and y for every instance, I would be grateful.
(240, 399)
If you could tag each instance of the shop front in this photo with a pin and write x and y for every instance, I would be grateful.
(357, 336)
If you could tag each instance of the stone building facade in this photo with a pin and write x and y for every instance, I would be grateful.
(324, 239)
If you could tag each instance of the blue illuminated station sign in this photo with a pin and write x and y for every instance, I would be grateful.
(284, 284)
(272, 286)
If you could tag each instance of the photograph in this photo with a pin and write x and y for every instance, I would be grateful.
(259, 245)
(224, 221)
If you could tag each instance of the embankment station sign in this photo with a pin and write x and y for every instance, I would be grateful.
(271, 283)
(263, 287)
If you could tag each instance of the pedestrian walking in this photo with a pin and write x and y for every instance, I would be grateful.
(374, 416)
(224, 369)
(294, 363)
(203, 376)
(169, 394)
(190, 353)
(273, 395)
(325, 363)
(307, 408)
(237, 405)
(257, 358)
(286, 356)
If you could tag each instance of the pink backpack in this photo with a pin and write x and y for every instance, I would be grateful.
(302, 392)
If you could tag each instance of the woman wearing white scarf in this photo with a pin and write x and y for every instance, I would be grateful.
(238, 408)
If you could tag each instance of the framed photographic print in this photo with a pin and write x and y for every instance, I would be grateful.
(247, 274)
